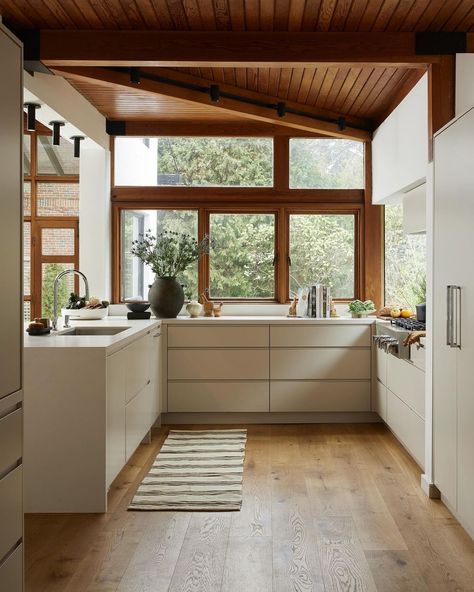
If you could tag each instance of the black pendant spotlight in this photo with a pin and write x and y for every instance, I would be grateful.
(31, 115)
(77, 145)
(281, 109)
(56, 131)
(214, 93)
(135, 75)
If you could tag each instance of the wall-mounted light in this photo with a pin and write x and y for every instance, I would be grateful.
(31, 115)
(135, 75)
(214, 93)
(77, 145)
(281, 109)
(57, 125)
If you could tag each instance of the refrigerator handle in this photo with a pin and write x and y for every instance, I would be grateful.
(458, 317)
(449, 316)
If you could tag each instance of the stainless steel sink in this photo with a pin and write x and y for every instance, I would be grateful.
(92, 331)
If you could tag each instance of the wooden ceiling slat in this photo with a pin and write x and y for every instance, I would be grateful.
(467, 23)
(113, 10)
(67, 12)
(208, 17)
(355, 91)
(17, 16)
(134, 14)
(328, 81)
(252, 15)
(273, 81)
(409, 79)
(402, 9)
(193, 15)
(311, 15)
(282, 13)
(207, 73)
(295, 83)
(252, 79)
(318, 80)
(285, 77)
(458, 15)
(229, 76)
(333, 92)
(346, 88)
(367, 89)
(237, 14)
(439, 21)
(218, 74)
(222, 14)
(384, 88)
(325, 15)
(178, 16)
(430, 12)
(241, 77)
(370, 14)
(305, 86)
(355, 15)
(341, 12)
(263, 80)
(384, 15)
(295, 19)
(267, 14)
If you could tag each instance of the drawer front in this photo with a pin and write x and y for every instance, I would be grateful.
(288, 396)
(380, 399)
(407, 426)
(10, 439)
(218, 336)
(380, 360)
(11, 511)
(212, 397)
(138, 372)
(215, 364)
(11, 572)
(320, 364)
(418, 356)
(140, 414)
(320, 336)
(407, 382)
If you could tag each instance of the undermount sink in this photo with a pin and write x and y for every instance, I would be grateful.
(92, 331)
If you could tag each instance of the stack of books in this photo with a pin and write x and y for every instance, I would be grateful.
(319, 301)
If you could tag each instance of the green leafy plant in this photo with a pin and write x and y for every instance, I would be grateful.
(169, 253)
(357, 306)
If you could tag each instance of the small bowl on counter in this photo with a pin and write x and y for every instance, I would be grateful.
(137, 306)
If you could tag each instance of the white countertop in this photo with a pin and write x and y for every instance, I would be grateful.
(258, 320)
(110, 343)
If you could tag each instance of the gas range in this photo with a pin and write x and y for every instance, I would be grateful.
(390, 335)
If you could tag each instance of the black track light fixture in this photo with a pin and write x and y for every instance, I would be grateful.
(281, 109)
(135, 75)
(342, 123)
(77, 145)
(214, 93)
(31, 115)
(57, 125)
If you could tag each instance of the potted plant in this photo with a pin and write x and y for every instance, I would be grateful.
(360, 309)
(168, 254)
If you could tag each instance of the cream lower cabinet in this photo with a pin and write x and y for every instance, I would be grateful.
(398, 396)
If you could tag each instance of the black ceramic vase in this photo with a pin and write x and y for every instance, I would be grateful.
(166, 297)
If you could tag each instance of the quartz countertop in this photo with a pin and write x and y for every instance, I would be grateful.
(110, 343)
(274, 320)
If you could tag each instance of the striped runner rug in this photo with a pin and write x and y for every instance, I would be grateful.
(195, 470)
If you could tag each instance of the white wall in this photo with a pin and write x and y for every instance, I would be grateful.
(464, 97)
(400, 147)
(136, 163)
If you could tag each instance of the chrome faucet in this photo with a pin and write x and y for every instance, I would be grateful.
(54, 321)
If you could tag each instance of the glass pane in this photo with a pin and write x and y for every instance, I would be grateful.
(56, 160)
(322, 250)
(405, 262)
(326, 164)
(48, 272)
(26, 198)
(57, 199)
(26, 258)
(136, 277)
(27, 311)
(194, 162)
(57, 241)
(26, 154)
(241, 263)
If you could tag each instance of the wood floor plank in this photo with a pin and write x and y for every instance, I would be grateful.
(395, 571)
(248, 565)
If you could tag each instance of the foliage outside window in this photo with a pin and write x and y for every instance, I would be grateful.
(317, 163)
(194, 162)
(241, 264)
(322, 250)
(405, 262)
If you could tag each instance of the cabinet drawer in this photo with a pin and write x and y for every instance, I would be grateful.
(11, 572)
(11, 510)
(380, 360)
(138, 372)
(407, 426)
(418, 356)
(320, 364)
(215, 364)
(288, 396)
(320, 336)
(140, 415)
(407, 382)
(211, 397)
(380, 399)
(219, 336)
(10, 439)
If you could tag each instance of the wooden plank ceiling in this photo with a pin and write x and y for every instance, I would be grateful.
(365, 92)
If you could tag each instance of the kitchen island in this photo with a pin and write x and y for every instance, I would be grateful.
(90, 399)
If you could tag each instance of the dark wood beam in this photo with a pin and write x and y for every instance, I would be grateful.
(246, 110)
(227, 49)
(441, 91)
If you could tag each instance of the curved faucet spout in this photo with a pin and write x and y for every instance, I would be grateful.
(57, 279)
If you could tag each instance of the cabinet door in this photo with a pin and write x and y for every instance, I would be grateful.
(140, 415)
(115, 414)
(11, 510)
(155, 364)
(11, 148)
(138, 373)
(336, 363)
(11, 572)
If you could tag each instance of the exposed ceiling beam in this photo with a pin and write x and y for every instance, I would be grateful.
(224, 49)
(247, 110)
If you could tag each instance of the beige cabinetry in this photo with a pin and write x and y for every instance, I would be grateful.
(11, 304)
(398, 396)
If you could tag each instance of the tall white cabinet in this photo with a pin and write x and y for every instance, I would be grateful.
(11, 134)
(453, 308)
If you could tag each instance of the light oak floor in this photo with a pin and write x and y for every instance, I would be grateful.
(326, 508)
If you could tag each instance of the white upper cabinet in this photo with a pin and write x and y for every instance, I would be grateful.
(400, 147)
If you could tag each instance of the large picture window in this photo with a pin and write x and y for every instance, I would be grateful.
(194, 162)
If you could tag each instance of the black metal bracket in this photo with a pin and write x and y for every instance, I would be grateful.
(116, 128)
(442, 43)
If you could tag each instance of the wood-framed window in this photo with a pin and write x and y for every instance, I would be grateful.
(341, 213)
(51, 220)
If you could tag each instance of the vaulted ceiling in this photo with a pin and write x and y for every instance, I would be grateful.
(364, 92)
